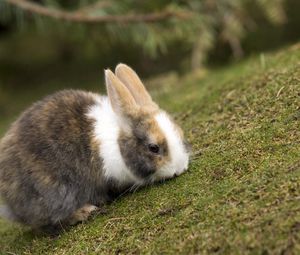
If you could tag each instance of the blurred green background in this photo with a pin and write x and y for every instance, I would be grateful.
(40, 54)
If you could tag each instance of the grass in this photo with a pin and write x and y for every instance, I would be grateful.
(241, 194)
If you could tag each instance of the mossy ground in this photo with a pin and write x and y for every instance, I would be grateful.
(241, 194)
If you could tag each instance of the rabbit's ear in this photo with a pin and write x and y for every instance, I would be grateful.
(134, 84)
(121, 99)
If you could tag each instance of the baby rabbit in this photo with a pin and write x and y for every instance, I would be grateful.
(73, 151)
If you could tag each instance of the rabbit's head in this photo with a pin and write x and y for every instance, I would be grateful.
(151, 144)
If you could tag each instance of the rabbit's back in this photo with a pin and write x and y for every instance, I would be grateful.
(48, 159)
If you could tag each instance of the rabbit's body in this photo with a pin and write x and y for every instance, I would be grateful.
(49, 162)
(75, 149)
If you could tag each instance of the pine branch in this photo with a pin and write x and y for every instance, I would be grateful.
(80, 16)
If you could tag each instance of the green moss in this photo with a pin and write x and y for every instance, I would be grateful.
(241, 193)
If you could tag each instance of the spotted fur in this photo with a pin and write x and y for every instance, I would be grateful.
(75, 150)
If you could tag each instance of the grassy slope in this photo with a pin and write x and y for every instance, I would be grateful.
(242, 191)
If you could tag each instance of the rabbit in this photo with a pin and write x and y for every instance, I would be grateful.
(74, 151)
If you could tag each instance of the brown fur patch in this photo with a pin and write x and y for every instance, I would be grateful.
(157, 135)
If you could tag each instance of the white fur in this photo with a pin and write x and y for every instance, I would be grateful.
(107, 132)
(178, 154)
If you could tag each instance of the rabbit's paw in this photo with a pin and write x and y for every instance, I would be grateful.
(82, 214)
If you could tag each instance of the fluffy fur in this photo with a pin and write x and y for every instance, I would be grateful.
(73, 151)
(178, 152)
(106, 130)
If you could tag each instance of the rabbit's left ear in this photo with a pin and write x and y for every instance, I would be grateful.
(134, 84)
(121, 99)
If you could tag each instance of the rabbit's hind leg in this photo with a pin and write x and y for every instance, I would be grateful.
(80, 215)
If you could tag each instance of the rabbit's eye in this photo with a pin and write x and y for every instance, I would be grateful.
(154, 148)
